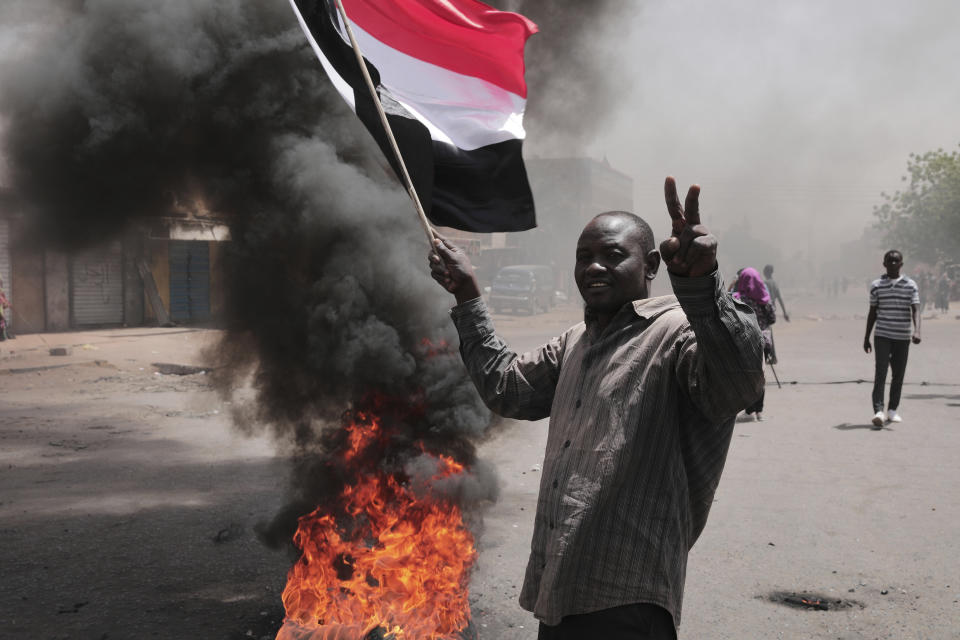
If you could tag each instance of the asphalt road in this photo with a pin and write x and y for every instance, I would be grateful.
(128, 502)
(812, 501)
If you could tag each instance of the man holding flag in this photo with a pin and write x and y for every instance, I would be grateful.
(642, 397)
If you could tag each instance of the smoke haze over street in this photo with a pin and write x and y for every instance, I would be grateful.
(792, 116)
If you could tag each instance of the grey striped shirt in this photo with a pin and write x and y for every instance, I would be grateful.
(893, 300)
(641, 418)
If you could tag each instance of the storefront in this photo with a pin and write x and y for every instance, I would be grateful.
(189, 281)
(96, 286)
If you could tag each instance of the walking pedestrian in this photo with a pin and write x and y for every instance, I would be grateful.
(4, 306)
(894, 302)
(774, 289)
(943, 292)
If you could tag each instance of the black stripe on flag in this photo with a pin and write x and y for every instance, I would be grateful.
(484, 190)
(481, 190)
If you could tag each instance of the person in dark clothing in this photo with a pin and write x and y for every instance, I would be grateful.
(642, 398)
(774, 290)
(924, 283)
(4, 310)
(944, 285)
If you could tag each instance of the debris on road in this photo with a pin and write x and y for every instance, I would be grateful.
(74, 609)
(168, 369)
(227, 534)
(812, 601)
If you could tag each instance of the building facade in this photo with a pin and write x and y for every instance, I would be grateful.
(160, 271)
(168, 270)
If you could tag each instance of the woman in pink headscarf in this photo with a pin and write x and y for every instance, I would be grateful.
(752, 290)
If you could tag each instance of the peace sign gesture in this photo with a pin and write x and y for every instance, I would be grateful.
(690, 250)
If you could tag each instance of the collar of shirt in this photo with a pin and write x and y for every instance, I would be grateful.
(646, 309)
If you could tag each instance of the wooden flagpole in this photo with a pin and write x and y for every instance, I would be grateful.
(408, 183)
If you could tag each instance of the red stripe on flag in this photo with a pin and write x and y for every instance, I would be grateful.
(465, 36)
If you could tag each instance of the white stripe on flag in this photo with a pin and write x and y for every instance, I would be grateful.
(462, 110)
(341, 85)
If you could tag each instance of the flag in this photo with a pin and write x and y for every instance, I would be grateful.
(449, 74)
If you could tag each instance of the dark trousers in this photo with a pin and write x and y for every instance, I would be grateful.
(757, 406)
(629, 622)
(893, 354)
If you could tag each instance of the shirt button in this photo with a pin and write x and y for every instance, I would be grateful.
(578, 404)
(566, 444)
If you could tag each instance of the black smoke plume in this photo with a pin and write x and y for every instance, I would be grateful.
(113, 111)
(576, 70)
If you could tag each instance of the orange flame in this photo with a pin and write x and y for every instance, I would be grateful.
(395, 560)
(361, 433)
(438, 348)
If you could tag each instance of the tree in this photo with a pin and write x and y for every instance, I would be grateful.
(923, 221)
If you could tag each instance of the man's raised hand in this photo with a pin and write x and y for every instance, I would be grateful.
(690, 250)
(451, 267)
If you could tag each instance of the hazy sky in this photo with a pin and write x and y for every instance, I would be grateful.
(783, 111)
(793, 116)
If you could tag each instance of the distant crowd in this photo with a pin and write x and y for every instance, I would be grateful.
(942, 287)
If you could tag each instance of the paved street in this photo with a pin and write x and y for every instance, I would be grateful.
(811, 499)
(129, 501)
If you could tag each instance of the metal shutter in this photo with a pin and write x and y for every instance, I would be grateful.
(5, 259)
(96, 286)
(5, 272)
(189, 281)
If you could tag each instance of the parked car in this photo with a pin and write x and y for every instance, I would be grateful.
(526, 287)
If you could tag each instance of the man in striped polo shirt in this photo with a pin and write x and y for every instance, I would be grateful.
(894, 300)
